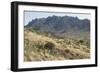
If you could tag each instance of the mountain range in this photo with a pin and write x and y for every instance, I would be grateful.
(61, 25)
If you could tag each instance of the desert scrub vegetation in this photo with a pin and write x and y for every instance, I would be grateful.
(44, 47)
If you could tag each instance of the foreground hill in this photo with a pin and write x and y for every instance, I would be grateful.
(41, 46)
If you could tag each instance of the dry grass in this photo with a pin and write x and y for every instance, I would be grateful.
(63, 49)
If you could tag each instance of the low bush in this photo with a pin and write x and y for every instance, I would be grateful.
(49, 45)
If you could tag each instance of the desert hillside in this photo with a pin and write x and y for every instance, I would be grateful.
(42, 46)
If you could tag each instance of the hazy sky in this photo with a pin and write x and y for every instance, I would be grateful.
(30, 15)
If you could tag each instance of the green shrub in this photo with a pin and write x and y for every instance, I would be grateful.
(49, 45)
(80, 42)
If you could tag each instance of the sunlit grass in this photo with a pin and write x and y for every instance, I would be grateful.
(41, 47)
